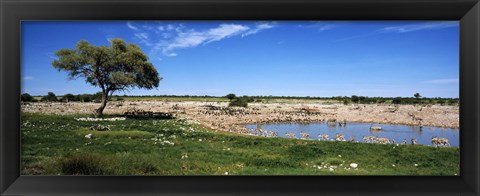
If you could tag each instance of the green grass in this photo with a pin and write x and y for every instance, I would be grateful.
(55, 145)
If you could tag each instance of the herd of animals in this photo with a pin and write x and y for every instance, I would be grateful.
(436, 141)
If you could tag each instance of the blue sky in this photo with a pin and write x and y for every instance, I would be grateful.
(294, 58)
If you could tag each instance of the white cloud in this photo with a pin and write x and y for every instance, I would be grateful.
(322, 25)
(443, 81)
(194, 38)
(141, 35)
(130, 26)
(169, 37)
(326, 27)
(407, 28)
(28, 78)
(258, 28)
(420, 26)
(144, 38)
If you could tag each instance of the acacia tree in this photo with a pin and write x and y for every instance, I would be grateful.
(417, 95)
(231, 96)
(116, 68)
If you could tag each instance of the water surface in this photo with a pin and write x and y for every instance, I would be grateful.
(358, 130)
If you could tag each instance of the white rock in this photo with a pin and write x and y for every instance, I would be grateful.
(353, 165)
(89, 136)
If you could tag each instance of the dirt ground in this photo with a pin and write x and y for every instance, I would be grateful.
(218, 116)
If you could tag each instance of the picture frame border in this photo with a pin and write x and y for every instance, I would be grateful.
(13, 12)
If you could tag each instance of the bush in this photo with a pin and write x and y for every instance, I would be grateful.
(441, 101)
(50, 97)
(362, 99)
(26, 97)
(397, 100)
(86, 98)
(82, 165)
(238, 102)
(231, 96)
(452, 102)
(355, 99)
(69, 97)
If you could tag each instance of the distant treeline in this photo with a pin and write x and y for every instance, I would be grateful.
(51, 97)
(416, 99)
(397, 100)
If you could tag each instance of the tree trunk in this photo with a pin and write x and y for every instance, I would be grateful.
(99, 111)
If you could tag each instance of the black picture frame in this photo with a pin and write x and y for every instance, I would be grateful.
(12, 12)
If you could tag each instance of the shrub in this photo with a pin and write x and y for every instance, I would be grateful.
(355, 99)
(26, 97)
(78, 97)
(69, 97)
(452, 102)
(441, 101)
(231, 96)
(238, 102)
(147, 168)
(397, 100)
(50, 97)
(81, 165)
(86, 98)
(362, 99)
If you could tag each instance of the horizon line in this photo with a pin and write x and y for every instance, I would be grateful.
(285, 96)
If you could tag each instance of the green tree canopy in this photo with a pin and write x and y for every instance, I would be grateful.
(417, 95)
(355, 99)
(231, 96)
(116, 68)
(50, 97)
(69, 97)
(26, 97)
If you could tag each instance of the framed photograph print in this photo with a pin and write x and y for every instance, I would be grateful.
(245, 97)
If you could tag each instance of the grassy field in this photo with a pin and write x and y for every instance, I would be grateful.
(56, 145)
